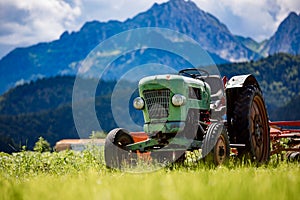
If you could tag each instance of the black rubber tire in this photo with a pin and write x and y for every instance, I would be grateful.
(115, 153)
(215, 147)
(293, 156)
(251, 124)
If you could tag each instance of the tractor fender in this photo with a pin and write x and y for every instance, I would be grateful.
(242, 81)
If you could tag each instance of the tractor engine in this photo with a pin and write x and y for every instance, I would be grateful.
(173, 104)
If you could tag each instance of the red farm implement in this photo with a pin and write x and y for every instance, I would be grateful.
(285, 136)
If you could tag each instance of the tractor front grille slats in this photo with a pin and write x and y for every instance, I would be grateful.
(157, 102)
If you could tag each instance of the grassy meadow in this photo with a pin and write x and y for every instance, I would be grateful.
(73, 175)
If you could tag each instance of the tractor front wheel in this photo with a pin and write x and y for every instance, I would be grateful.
(116, 154)
(215, 148)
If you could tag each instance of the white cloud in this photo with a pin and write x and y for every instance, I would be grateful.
(27, 22)
(258, 19)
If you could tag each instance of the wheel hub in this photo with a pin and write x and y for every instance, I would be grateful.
(258, 131)
(220, 150)
(258, 140)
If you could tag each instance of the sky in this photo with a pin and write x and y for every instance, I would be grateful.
(27, 22)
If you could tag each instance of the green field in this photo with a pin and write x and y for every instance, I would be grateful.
(71, 175)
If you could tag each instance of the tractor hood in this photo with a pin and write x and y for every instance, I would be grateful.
(174, 82)
(160, 113)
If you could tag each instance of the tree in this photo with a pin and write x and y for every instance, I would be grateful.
(42, 145)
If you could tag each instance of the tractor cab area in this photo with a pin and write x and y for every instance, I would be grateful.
(217, 90)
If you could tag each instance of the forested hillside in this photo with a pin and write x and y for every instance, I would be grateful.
(44, 108)
(278, 76)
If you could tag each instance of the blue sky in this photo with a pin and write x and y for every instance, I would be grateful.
(27, 22)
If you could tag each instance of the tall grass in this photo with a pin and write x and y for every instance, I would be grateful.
(71, 175)
(27, 164)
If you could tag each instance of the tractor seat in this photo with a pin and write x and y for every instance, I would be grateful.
(217, 106)
(216, 86)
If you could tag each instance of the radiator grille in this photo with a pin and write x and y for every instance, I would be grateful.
(157, 102)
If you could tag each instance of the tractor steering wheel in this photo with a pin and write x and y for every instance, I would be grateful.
(194, 72)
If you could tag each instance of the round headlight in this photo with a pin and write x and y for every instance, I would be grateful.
(138, 103)
(178, 100)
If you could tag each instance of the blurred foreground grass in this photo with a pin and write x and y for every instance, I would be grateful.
(72, 175)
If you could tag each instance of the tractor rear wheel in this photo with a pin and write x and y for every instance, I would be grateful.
(115, 153)
(215, 148)
(251, 125)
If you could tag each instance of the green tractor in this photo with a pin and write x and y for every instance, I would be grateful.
(194, 110)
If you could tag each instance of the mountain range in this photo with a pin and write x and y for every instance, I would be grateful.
(63, 56)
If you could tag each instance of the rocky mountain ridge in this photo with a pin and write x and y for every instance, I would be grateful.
(63, 56)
